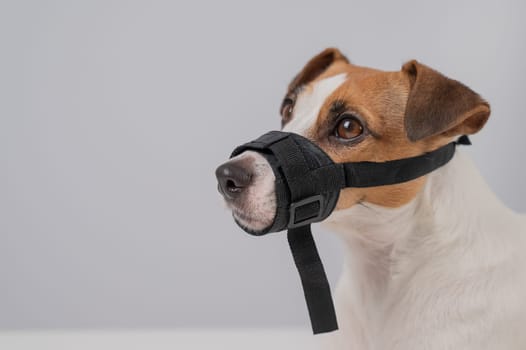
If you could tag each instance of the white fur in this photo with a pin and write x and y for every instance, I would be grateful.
(446, 271)
(309, 103)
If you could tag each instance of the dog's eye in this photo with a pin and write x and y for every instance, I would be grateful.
(348, 128)
(286, 109)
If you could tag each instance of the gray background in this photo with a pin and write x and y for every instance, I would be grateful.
(114, 115)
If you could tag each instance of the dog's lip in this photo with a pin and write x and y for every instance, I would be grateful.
(238, 214)
(243, 216)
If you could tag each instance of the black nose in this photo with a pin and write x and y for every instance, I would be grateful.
(232, 179)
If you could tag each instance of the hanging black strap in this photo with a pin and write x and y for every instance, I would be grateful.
(315, 285)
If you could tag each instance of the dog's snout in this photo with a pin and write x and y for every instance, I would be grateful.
(232, 179)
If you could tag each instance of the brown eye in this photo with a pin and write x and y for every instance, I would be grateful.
(348, 128)
(286, 109)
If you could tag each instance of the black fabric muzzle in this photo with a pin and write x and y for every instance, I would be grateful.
(307, 188)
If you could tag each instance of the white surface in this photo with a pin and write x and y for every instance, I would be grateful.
(158, 339)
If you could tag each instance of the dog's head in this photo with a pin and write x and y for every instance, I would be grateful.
(357, 114)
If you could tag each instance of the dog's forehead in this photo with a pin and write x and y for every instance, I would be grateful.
(310, 101)
(360, 88)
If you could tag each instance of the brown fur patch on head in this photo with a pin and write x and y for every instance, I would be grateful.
(378, 99)
(405, 114)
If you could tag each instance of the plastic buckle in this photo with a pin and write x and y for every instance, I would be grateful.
(309, 200)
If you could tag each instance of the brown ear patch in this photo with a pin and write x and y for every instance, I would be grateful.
(316, 66)
(439, 105)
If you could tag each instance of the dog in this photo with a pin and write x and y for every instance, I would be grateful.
(435, 263)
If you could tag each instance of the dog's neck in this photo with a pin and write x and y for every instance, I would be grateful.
(384, 243)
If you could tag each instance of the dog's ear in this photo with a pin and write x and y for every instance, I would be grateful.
(438, 105)
(316, 66)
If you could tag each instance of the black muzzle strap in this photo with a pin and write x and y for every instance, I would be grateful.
(307, 188)
(371, 174)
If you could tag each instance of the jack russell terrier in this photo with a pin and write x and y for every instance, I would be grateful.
(430, 264)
